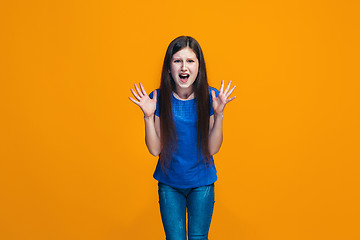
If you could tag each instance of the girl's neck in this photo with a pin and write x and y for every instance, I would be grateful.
(184, 94)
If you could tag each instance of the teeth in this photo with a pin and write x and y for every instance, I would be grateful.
(184, 75)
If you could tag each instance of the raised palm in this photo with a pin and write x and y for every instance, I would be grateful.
(220, 101)
(147, 105)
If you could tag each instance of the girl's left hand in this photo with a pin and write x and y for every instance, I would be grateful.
(223, 98)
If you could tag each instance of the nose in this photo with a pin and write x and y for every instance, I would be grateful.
(183, 66)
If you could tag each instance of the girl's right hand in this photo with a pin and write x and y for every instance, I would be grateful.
(147, 105)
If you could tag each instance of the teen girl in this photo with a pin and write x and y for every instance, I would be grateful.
(183, 126)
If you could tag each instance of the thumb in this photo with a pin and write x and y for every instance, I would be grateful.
(213, 94)
(154, 95)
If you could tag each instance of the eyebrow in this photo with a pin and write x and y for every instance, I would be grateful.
(181, 58)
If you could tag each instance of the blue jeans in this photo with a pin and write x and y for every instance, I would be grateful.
(199, 203)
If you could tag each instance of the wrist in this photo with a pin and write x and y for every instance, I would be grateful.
(149, 117)
(219, 115)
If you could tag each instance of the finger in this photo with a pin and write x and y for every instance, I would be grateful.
(227, 88)
(222, 86)
(138, 91)
(229, 93)
(213, 94)
(230, 99)
(134, 101)
(143, 89)
(154, 95)
(135, 95)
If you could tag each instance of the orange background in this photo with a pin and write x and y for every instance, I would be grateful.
(74, 164)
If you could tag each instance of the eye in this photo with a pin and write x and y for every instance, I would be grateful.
(176, 61)
(191, 60)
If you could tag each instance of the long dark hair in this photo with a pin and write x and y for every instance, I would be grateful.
(201, 92)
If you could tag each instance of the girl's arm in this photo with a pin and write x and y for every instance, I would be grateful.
(215, 133)
(152, 134)
(152, 122)
(216, 120)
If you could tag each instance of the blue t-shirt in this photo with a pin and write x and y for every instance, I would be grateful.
(187, 169)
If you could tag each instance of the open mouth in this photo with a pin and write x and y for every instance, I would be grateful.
(184, 77)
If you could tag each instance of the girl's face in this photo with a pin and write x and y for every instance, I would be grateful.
(184, 68)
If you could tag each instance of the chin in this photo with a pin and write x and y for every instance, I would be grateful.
(188, 84)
